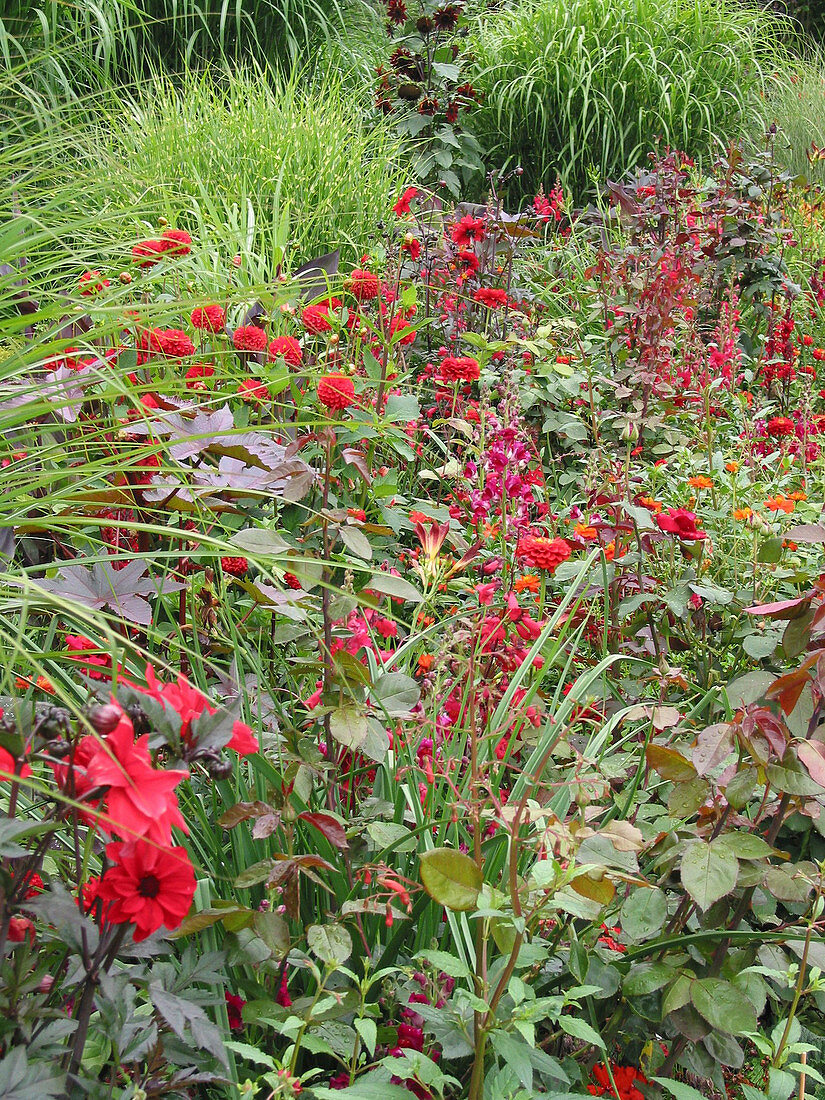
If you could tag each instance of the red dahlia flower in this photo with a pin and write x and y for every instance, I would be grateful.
(188, 703)
(90, 282)
(315, 319)
(212, 318)
(148, 886)
(543, 553)
(682, 523)
(402, 206)
(235, 567)
(147, 253)
(363, 285)
(467, 230)
(249, 338)
(336, 391)
(172, 342)
(491, 297)
(253, 390)
(196, 374)
(459, 369)
(288, 348)
(176, 242)
(779, 426)
(141, 799)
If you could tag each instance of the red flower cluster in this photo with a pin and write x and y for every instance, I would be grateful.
(189, 704)
(625, 1078)
(147, 887)
(491, 297)
(176, 242)
(235, 567)
(459, 369)
(315, 319)
(363, 285)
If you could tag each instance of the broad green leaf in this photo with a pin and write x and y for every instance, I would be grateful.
(349, 727)
(396, 692)
(331, 943)
(643, 913)
(708, 872)
(451, 878)
(572, 1025)
(646, 977)
(723, 1006)
(678, 1089)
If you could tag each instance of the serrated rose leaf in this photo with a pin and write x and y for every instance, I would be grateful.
(451, 878)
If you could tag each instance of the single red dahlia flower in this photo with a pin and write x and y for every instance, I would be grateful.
(402, 206)
(459, 369)
(235, 567)
(148, 886)
(173, 342)
(249, 338)
(177, 242)
(147, 253)
(288, 348)
(336, 391)
(491, 297)
(90, 283)
(363, 285)
(211, 318)
(542, 552)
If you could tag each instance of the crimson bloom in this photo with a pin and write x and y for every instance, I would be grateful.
(682, 523)
(212, 318)
(172, 342)
(288, 348)
(90, 282)
(140, 800)
(249, 338)
(147, 886)
(543, 553)
(147, 253)
(402, 206)
(363, 285)
(177, 242)
(467, 230)
(336, 391)
(491, 297)
(459, 369)
(188, 703)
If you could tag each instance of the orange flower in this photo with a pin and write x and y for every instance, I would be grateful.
(583, 531)
(780, 504)
(700, 482)
(610, 550)
(528, 583)
(426, 620)
(425, 663)
(742, 513)
(732, 467)
(490, 530)
(798, 495)
(788, 544)
(419, 517)
(652, 505)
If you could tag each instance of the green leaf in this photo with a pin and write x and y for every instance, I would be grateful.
(356, 542)
(445, 962)
(273, 930)
(368, 1030)
(708, 872)
(451, 878)
(646, 977)
(396, 587)
(402, 407)
(397, 693)
(258, 872)
(331, 943)
(744, 845)
(252, 1054)
(643, 913)
(723, 1006)
(678, 1089)
(349, 727)
(572, 1025)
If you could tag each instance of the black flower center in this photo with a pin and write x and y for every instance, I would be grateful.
(149, 887)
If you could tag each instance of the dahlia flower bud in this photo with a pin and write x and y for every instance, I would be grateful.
(104, 717)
